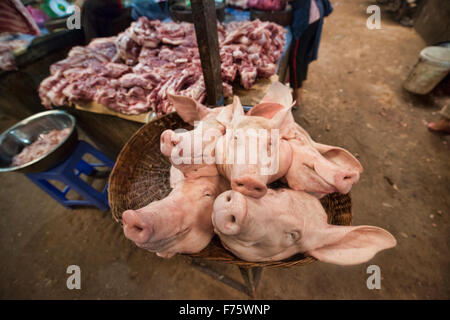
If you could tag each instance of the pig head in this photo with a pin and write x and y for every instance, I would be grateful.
(251, 153)
(179, 223)
(320, 169)
(193, 151)
(316, 168)
(285, 222)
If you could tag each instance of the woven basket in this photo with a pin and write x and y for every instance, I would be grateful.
(141, 175)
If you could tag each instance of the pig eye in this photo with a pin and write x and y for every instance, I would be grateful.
(293, 235)
(208, 194)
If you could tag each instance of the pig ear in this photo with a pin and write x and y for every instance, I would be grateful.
(187, 108)
(279, 93)
(238, 110)
(282, 117)
(175, 176)
(352, 245)
(339, 156)
(266, 110)
(225, 115)
(230, 112)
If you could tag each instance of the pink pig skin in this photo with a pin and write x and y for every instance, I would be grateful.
(175, 176)
(213, 123)
(179, 223)
(285, 222)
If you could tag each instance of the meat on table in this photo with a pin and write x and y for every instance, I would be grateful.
(134, 71)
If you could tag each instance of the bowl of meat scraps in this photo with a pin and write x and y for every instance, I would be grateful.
(38, 142)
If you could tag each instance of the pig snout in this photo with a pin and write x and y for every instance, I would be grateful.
(134, 228)
(344, 180)
(168, 142)
(230, 211)
(249, 186)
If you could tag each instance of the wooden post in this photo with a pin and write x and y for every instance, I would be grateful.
(205, 21)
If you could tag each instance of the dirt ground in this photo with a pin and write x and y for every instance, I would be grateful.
(354, 99)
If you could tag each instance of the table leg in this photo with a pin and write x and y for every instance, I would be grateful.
(256, 276)
(251, 277)
(219, 277)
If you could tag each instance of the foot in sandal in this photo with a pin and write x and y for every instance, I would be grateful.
(442, 125)
(298, 97)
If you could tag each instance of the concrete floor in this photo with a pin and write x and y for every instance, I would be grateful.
(354, 99)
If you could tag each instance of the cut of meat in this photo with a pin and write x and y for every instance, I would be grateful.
(133, 72)
(127, 49)
(251, 49)
(15, 18)
(106, 46)
(248, 75)
(130, 80)
(80, 57)
(7, 61)
(43, 145)
(113, 70)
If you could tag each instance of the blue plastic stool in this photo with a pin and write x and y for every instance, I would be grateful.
(68, 173)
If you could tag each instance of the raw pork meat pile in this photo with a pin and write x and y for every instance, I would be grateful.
(133, 72)
(43, 145)
(7, 48)
(232, 199)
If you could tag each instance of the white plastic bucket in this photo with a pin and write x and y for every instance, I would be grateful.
(433, 66)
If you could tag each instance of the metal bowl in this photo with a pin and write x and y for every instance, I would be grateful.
(13, 140)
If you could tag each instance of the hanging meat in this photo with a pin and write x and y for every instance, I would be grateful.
(15, 18)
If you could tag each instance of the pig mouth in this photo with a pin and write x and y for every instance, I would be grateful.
(163, 244)
(329, 187)
(316, 183)
(225, 246)
(245, 244)
(238, 242)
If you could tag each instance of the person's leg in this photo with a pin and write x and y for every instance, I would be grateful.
(299, 67)
(295, 66)
(299, 60)
(309, 41)
(302, 69)
(292, 62)
(443, 124)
